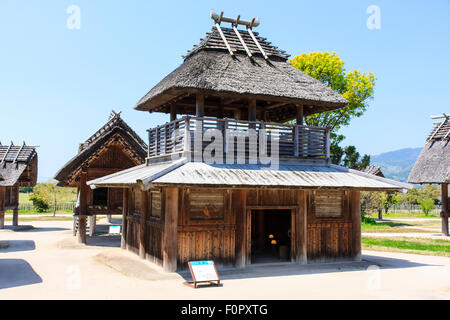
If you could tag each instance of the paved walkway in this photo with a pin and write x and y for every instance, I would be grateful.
(46, 263)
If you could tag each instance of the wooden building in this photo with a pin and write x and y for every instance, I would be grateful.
(18, 168)
(239, 210)
(114, 147)
(432, 165)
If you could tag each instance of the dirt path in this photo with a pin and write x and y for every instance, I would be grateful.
(45, 263)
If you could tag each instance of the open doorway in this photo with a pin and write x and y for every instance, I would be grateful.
(271, 235)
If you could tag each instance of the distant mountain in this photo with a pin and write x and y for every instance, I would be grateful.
(396, 164)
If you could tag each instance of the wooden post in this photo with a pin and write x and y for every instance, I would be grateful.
(108, 218)
(239, 200)
(15, 218)
(355, 215)
(299, 115)
(261, 234)
(92, 224)
(123, 242)
(2, 220)
(252, 110)
(200, 105)
(81, 234)
(301, 229)
(2, 207)
(444, 212)
(170, 250)
(143, 223)
(173, 112)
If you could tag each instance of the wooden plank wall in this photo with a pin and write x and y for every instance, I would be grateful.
(211, 236)
(328, 238)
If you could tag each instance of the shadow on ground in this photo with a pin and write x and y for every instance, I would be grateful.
(16, 273)
(16, 245)
(274, 270)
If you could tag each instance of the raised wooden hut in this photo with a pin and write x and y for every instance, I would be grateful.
(18, 168)
(237, 89)
(114, 147)
(433, 164)
(375, 170)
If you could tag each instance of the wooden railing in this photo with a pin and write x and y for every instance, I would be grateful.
(306, 142)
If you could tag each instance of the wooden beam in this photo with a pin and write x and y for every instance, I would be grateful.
(15, 217)
(123, 242)
(143, 223)
(170, 249)
(444, 212)
(200, 105)
(301, 228)
(355, 215)
(239, 200)
(2, 207)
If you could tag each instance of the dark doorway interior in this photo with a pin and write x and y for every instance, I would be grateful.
(271, 236)
(100, 197)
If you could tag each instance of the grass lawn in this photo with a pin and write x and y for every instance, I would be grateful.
(29, 219)
(405, 215)
(408, 245)
(394, 227)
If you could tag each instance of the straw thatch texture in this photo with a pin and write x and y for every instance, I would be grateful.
(114, 130)
(18, 165)
(374, 170)
(210, 69)
(433, 164)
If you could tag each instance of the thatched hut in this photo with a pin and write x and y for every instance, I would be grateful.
(235, 88)
(433, 164)
(112, 148)
(373, 169)
(18, 168)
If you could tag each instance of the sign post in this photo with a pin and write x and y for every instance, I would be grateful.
(203, 271)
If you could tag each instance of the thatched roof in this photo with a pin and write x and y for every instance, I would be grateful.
(210, 69)
(374, 170)
(433, 163)
(115, 130)
(18, 165)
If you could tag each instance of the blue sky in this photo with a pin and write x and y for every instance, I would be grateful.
(58, 86)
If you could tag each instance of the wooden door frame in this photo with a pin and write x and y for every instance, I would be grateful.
(249, 211)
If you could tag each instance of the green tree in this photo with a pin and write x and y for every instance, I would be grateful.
(40, 203)
(427, 205)
(355, 86)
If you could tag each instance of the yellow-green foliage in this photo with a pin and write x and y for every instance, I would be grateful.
(355, 86)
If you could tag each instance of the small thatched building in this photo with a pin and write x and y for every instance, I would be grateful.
(114, 147)
(180, 206)
(433, 164)
(18, 168)
(373, 169)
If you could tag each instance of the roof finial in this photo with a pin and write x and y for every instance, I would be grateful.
(219, 18)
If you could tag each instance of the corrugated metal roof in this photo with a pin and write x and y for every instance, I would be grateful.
(289, 174)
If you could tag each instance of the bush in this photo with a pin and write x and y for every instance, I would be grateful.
(39, 203)
(427, 205)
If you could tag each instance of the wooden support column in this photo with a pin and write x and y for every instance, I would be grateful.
(143, 223)
(355, 215)
(15, 217)
(173, 112)
(252, 110)
(170, 250)
(92, 224)
(444, 212)
(299, 115)
(2, 207)
(108, 218)
(301, 228)
(81, 232)
(239, 204)
(199, 105)
(123, 242)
